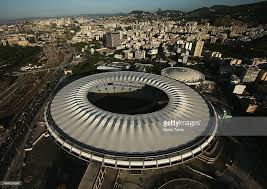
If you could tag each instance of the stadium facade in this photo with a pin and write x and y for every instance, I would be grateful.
(117, 118)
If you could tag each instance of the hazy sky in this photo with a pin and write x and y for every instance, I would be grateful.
(10, 9)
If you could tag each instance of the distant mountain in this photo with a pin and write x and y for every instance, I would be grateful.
(255, 13)
(171, 13)
(139, 12)
(159, 12)
(103, 15)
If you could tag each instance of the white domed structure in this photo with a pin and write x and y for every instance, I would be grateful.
(185, 75)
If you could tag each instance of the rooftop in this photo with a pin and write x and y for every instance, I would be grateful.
(185, 75)
(111, 134)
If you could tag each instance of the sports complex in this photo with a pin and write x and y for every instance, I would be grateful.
(186, 75)
(116, 118)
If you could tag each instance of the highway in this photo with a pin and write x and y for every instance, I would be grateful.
(17, 134)
(46, 69)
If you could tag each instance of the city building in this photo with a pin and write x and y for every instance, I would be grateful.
(128, 54)
(235, 61)
(23, 43)
(248, 103)
(185, 59)
(263, 75)
(67, 71)
(258, 61)
(239, 89)
(113, 39)
(213, 40)
(118, 56)
(249, 74)
(216, 55)
(140, 54)
(153, 52)
(198, 48)
(188, 46)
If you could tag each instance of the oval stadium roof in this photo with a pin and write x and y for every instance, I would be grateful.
(130, 141)
(185, 75)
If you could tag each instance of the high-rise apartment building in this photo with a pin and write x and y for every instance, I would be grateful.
(198, 48)
(113, 39)
(249, 74)
(263, 75)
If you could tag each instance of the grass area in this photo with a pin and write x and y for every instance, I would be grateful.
(15, 57)
(79, 46)
(89, 64)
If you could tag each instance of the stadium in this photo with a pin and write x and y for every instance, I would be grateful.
(185, 75)
(117, 118)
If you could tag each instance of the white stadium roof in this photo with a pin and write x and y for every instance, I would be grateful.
(185, 75)
(129, 141)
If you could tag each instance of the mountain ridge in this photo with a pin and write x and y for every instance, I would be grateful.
(251, 13)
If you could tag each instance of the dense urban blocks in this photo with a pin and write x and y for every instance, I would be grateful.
(117, 118)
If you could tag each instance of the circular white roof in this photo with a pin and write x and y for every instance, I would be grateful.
(185, 75)
(129, 140)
